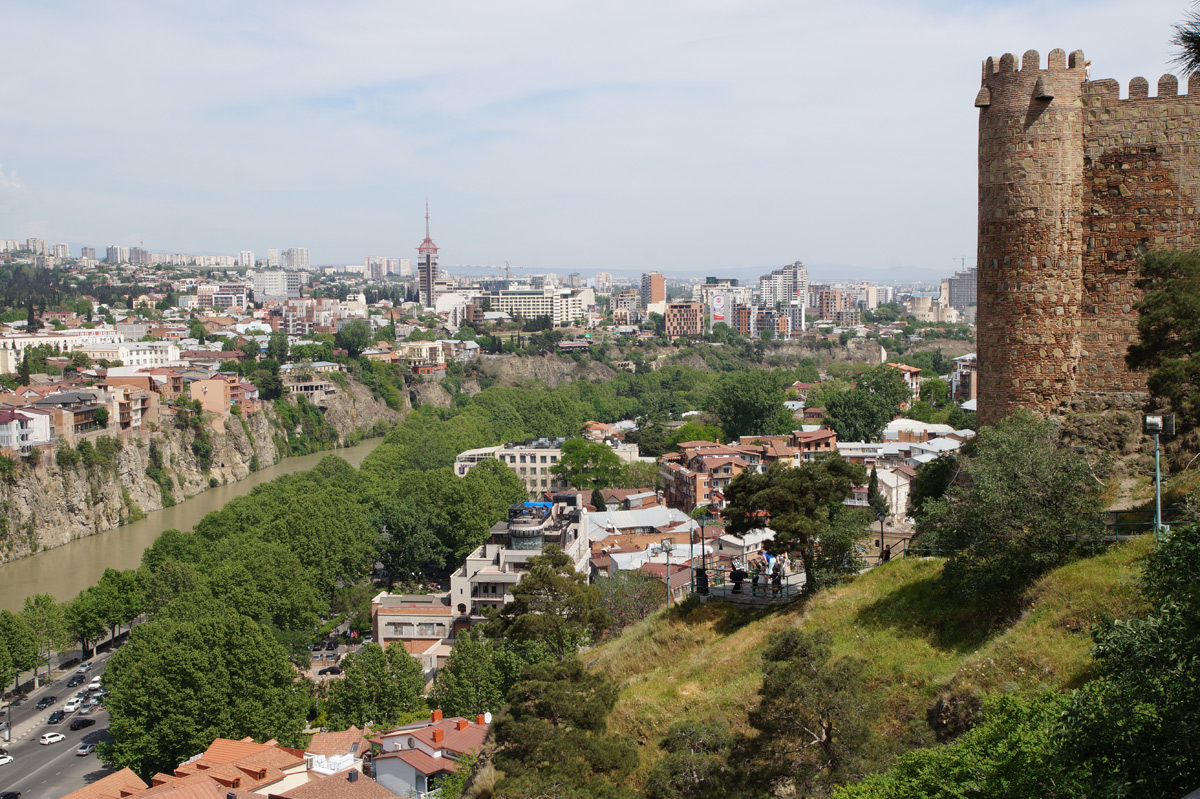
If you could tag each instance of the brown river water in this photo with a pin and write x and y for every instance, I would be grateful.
(65, 571)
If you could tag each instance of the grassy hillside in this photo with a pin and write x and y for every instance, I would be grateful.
(702, 661)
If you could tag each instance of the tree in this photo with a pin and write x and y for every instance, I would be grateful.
(629, 596)
(750, 403)
(588, 464)
(861, 413)
(1009, 752)
(1186, 39)
(120, 598)
(84, 616)
(101, 417)
(810, 714)
(378, 688)
(553, 740)
(1138, 724)
(802, 505)
(694, 431)
(552, 604)
(875, 497)
(1168, 345)
(20, 645)
(267, 582)
(250, 350)
(470, 683)
(198, 671)
(932, 481)
(695, 763)
(354, 337)
(277, 346)
(1022, 505)
(197, 330)
(49, 625)
(159, 585)
(597, 501)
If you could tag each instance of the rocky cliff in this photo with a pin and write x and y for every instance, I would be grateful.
(75, 492)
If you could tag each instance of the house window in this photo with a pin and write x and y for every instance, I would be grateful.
(543, 459)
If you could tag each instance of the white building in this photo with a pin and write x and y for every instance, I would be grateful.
(23, 429)
(246, 258)
(142, 354)
(275, 285)
(533, 461)
(416, 756)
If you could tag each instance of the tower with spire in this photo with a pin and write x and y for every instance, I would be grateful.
(427, 266)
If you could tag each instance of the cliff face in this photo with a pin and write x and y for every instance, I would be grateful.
(51, 503)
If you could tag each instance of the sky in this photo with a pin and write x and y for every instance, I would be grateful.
(704, 137)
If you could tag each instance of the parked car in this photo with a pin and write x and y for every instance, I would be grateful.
(79, 724)
(94, 685)
(98, 696)
(84, 667)
(76, 679)
(4, 761)
(51, 738)
(81, 695)
(72, 704)
(331, 646)
(85, 749)
(10, 795)
(46, 701)
(330, 670)
(57, 716)
(87, 708)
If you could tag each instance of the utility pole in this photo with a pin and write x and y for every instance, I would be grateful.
(1157, 425)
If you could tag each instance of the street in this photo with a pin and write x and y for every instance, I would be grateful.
(53, 770)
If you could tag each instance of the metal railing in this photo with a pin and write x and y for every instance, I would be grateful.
(740, 586)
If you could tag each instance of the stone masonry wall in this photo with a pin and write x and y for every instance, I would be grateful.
(1074, 184)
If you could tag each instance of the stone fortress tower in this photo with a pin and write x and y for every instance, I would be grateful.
(1074, 184)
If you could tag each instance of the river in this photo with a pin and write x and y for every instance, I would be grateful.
(65, 571)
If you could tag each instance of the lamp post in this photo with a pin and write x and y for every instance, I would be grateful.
(881, 516)
(1156, 425)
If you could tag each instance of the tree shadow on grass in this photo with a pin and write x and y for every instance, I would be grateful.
(929, 609)
(725, 617)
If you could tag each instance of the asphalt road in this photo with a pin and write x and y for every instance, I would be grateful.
(49, 771)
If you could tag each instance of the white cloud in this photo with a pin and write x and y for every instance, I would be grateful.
(719, 136)
(9, 181)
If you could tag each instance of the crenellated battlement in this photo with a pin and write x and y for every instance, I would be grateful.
(1006, 70)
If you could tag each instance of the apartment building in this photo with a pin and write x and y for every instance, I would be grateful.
(275, 285)
(140, 354)
(533, 460)
(684, 319)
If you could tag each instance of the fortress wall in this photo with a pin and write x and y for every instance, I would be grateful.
(1142, 164)
(1074, 184)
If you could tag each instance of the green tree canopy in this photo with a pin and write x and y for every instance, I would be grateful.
(750, 403)
(354, 337)
(198, 671)
(1022, 505)
(1168, 344)
(803, 505)
(470, 683)
(588, 465)
(553, 604)
(378, 687)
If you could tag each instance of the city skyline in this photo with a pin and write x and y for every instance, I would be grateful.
(730, 139)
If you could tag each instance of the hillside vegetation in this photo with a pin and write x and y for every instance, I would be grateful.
(928, 662)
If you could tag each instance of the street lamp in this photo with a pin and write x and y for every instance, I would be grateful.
(1156, 425)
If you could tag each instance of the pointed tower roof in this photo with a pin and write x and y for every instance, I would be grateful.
(427, 245)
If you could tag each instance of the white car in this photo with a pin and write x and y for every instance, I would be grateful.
(72, 705)
(51, 738)
(94, 685)
(5, 760)
(84, 667)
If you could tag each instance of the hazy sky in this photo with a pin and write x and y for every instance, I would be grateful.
(691, 135)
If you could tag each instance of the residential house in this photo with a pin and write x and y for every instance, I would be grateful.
(415, 756)
(912, 379)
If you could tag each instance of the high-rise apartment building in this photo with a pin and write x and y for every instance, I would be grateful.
(62, 251)
(275, 285)
(786, 286)
(139, 256)
(427, 267)
(604, 283)
(654, 288)
(294, 258)
(116, 254)
(87, 253)
(37, 246)
(962, 290)
(273, 258)
(246, 259)
(406, 267)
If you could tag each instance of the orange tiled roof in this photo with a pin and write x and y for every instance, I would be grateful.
(337, 743)
(429, 610)
(114, 786)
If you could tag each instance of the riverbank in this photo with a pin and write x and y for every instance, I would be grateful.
(104, 481)
(66, 570)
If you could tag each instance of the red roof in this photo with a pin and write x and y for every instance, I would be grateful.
(425, 764)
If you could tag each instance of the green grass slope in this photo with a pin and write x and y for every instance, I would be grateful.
(703, 661)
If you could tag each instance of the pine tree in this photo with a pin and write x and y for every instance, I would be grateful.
(598, 501)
